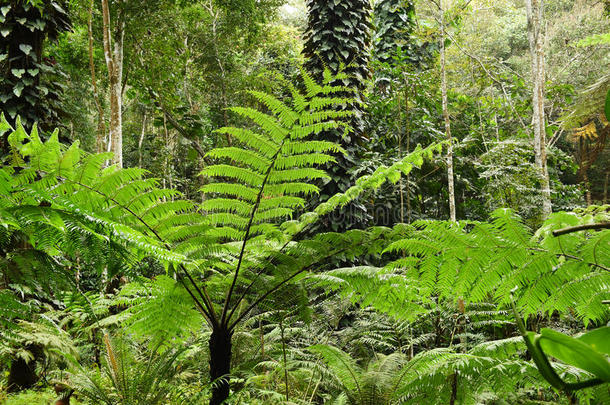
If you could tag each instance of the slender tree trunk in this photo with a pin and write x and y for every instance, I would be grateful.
(141, 140)
(399, 130)
(450, 177)
(222, 78)
(454, 388)
(408, 149)
(585, 180)
(462, 325)
(113, 53)
(284, 358)
(101, 123)
(167, 167)
(220, 364)
(535, 21)
(606, 187)
(400, 185)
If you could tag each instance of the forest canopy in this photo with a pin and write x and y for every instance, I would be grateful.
(304, 202)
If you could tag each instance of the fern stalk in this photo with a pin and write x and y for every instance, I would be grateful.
(223, 318)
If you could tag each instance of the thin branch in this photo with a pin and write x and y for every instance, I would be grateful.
(490, 75)
(578, 228)
(181, 130)
(170, 117)
(569, 256)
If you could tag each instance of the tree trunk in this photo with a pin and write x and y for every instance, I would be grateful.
(220, 364)
(101, 123)
(454, 388)
(606, 187)
(535, 20)
(587, 184)
(141, 140)
(22, 374)
(450, 181)
(114, 62)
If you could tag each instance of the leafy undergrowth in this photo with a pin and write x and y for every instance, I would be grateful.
(35, 397)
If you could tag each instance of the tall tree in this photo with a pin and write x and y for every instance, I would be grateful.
(445, 103)
(394, 22)
(113, 54)
(338, 39)
(101, 121)
(535, 34)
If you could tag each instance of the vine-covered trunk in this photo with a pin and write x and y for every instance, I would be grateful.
(220, 364)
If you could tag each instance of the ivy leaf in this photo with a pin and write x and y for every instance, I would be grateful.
(32, 72)
(5, 97)
(18, 89)
(18, 72)
(12, 112)
(44, 67)
(3, 56)
(25, 48)
(5, 10)
(39, 24)
(5, 32)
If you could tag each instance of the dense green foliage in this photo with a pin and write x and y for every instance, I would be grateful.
(277, 230)
(24, 66)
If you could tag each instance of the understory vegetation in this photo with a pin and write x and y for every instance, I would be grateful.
(345, 202)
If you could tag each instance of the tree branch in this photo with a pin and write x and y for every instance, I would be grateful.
(578, 228)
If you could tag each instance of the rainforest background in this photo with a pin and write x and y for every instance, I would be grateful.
(304, 202)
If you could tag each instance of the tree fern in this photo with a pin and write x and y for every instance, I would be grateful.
(434, 262)
(242, 252)
(482, 259)
(479, 261)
